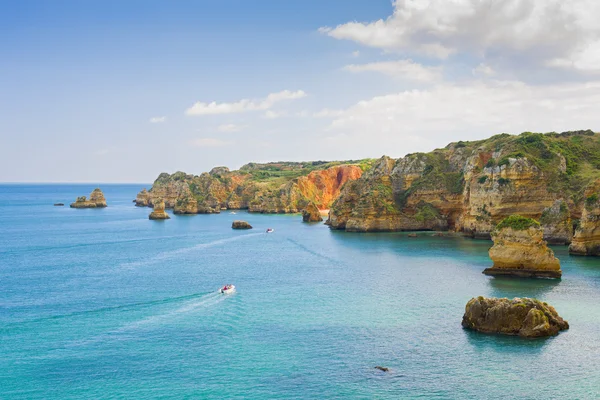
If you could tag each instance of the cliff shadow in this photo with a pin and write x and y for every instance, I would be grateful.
(505, 343)
(521, 287)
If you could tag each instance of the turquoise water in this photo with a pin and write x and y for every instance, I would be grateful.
(107, 304)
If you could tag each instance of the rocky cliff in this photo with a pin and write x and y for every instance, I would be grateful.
(587, 236)
(311, 213)
(471, 186)
(520, 250)
(522, 317)
(96, 200)
(282, 187)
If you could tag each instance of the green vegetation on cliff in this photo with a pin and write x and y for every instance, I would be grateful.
(517, 223)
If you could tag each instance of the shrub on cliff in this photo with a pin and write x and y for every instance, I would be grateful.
(517, 223)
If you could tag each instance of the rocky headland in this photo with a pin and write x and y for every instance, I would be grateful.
(282, 187)
(96, 200)
(159, 211)
(523, 317)
(311, 213)
(470, 187)
(520, 250)
(587, 236)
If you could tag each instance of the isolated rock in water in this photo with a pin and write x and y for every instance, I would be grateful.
(311, 213)
(384, 369)
(520, 250)
(159, 211)
(587, 237)
(556, 223)
(96, 200)
(241, 225)
(520, 316)
(59, 204)
(142, 199)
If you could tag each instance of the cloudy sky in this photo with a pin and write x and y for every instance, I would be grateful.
(119, 91)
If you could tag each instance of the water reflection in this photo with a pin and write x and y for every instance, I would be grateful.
(504, 343)
(521, 287)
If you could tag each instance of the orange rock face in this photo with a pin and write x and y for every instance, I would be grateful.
(323, 187)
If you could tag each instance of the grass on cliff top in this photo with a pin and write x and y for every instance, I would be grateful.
(518, 223)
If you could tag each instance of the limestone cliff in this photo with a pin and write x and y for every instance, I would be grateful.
(524, 317)
(96, 200)
(587, 237)
(311, 214)
(142, 199)
(159, 211)
(471, 186)
(263, 188)
(520, 250)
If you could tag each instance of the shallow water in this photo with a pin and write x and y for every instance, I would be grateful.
(105, 304)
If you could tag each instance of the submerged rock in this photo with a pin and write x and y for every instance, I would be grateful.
(587, 237)
(520, 250)
(520, 316)
(159, 211)
(240, 225)
(96, 200)
(59, 204)
(311, 213)
(384, 369)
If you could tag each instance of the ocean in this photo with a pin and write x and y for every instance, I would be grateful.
(104, 303)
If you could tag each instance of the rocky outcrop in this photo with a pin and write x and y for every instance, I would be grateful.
(96, 200)
(311, 214)
(261, 188)
(159, 211)
(520, 250)
(240, 225)
(556, 223)
(142, 199)
(59, 204)
(470, 187)
(587, 236)
(523, 317)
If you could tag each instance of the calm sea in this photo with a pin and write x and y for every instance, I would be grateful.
(107, 304)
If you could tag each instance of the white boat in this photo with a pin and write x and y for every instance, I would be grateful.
(227, 289)
(270, 230)
(233, 212)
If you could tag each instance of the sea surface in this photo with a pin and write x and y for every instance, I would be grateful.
(104, 303)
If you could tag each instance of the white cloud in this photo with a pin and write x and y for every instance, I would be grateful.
(483, 70)
(327, 113)
(355, 53)
(418, 120)
(210, 142)
(401, 69)
(270, 114)
(230, 128)
(158, 120)
(244, 105)
(515, 31)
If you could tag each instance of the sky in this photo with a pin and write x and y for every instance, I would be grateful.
(120, 91)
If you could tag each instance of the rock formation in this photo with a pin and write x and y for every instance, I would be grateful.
(59, 204)
(240, 225)
(520, 250)
(282, 187)
(524, 317)
(142, 199)
(587, 236)
(470, 187)
(159, 211)
(311, 213)
(96, 200)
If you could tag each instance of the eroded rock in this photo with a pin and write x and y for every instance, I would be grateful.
(241, 225)
(96, 200)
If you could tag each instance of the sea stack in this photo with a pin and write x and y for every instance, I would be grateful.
(523, 317)
(240, 225)
(311, 213)
(159, 211)
(520, 250)
(96, 200)
(586, 241)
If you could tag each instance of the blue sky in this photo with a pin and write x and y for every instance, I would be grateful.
(101, 91)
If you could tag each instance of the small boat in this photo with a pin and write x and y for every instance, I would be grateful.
(270, 230)
(233, 212)
(227, 289)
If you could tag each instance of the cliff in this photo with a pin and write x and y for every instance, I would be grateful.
(519, 250)
(311, 214)
(524, 317)
(96, 200)
(471, 186)
(283, 187)
(587, 236)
